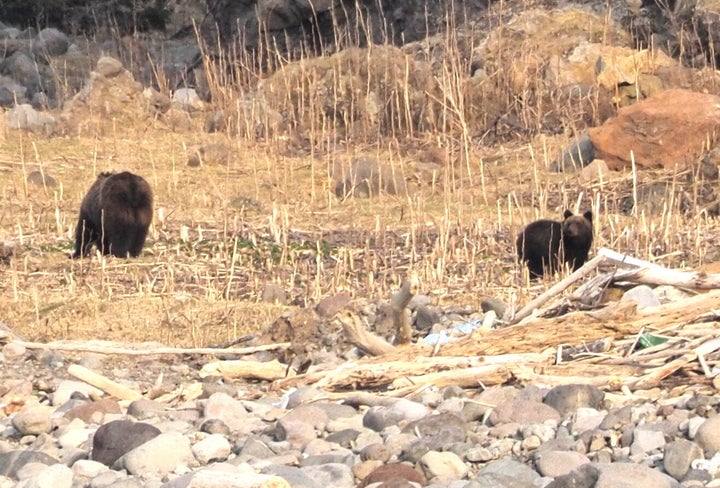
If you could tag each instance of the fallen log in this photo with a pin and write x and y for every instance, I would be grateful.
(487, 375)
(106, 347)
(377, 373)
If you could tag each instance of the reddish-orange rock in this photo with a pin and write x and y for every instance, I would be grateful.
(667, 130)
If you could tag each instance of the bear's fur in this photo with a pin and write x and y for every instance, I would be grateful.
(545, 245)
(115, 215)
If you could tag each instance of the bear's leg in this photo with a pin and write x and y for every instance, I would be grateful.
(85, 237)
(138, 241)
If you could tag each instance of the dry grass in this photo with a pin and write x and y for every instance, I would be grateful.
(222, 232)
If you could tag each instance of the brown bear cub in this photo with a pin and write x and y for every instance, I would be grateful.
(545, 245)
(115, 216)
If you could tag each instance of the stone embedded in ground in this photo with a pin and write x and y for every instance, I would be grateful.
(329, 306)
(366, 178)
(584, 476)
(13, 351)
(12, 461)
(144, 409)
(41, 178)
(508, 472)
(213, 448)
(158, 456)
(335, 411)
(11, 92)
(490, 303)
(223, 407)
(617, 417)
(425, 317)
(74, 436)
(559, 463)
(332, 474)
(669, 130)
(187, 99)
(94, 412)
(304, 394)
(678, 457)
(646, 440)
(443, 466)
(33, 420)
(50, 42)
(108, 66)
(24, 116)
(66, 388)
(294, 476)
(254, 448)
(215, 426)
(523, 412)
(344, 438)
(273, 293)
(301, 425)
(55, 476)
(568, 398)
(85, 468)
(577, 155)
(438, 432)
(209, 154)
(643, 295)
(630, 475)
(394, 471)
(116, 438)
(375, 452)
(379, 417)
(226, 475)
(708, 435)
(595, 172)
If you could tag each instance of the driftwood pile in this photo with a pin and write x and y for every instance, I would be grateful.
(614, 347)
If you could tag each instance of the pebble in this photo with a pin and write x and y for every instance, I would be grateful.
(558, 463)
(159, 456)
(631, 475)
(643, 295)
(679, 456)
(33, 420)
(443, 466)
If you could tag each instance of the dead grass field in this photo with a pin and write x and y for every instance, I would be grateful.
(222, 232)
(226, 231)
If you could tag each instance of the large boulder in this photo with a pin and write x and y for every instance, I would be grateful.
(528, 49)
(670, 129)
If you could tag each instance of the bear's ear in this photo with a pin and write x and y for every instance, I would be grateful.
(588, 215)
(567, 214)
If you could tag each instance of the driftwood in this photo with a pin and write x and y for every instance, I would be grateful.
(401, 320)
(415, 371)
(360, 337)
(642, 272)
(105, 384)
(531, 351)
(556, 289)
(254, 370)
(105, 347)
(647, 273)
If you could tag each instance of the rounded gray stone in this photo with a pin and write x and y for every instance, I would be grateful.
(708, 435)
(678, 457)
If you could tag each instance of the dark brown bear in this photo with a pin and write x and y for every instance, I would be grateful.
(544, 245)
(115, 216)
